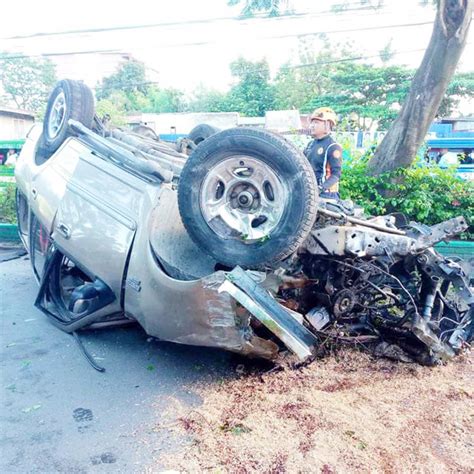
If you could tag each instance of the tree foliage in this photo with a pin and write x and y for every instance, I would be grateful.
(251, 7)
(114, 108)
(428, 87)
(165, 100)
(26, 82)
(130, 78)
(387, 52)
(128, 84)
(253, 94)
(130, 91)
(8, 204)
(297, 86)
(460, 87)
(424, 194)
(360, 93)
(367, 92)
(208, 100)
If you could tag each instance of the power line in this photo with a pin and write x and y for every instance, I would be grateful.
(299, 35)
(297, 66)
(119, 28)
(353, 58)
(191, 22)
(69, 53)
(350, 30)
(132, 85)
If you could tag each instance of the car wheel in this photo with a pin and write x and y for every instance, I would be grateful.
(247, 197)
(202, 132)
(68, 100)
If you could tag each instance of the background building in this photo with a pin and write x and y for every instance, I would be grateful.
(15, 123)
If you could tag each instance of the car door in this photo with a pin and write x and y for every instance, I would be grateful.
(97, 220)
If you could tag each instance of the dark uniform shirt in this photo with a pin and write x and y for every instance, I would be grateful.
(325, 156)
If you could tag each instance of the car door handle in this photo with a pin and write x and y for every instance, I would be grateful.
(64, 230)
(34, 193)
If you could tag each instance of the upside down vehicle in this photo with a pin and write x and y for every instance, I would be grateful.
(229, 247)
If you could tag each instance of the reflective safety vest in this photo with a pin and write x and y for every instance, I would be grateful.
(325, 156)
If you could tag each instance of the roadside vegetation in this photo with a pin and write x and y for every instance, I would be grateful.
(425, 194)
(7, 204)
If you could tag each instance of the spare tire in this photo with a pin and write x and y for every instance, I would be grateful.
(247, 197)
(202, 132)
(68, 100)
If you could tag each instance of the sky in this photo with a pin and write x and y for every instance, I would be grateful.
(193, 42)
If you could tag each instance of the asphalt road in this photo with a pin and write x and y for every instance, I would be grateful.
(60, 415)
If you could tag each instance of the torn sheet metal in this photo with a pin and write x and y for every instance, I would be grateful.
(271, 314)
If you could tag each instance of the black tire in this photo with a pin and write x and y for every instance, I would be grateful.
(78, 105)
(202, 132)
(299, 204)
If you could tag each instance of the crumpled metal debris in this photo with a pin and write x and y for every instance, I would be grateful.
(370, 282)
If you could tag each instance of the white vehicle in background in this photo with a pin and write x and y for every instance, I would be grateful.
(453, 151)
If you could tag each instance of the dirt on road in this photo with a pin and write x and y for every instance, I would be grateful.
(346, 413)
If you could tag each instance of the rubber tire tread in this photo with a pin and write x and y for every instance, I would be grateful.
(192, 176)
(79, 106)
(202, 132)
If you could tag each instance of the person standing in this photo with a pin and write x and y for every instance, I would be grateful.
(11, 158)
(447, 158)
(324, 153)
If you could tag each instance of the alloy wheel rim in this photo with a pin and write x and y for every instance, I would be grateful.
(242, 198)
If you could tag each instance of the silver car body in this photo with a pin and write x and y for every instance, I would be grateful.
(126, 231)
(118, 221)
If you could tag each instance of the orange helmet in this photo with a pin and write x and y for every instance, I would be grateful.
(325, 113)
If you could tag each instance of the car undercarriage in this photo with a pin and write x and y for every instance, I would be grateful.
(229, 247)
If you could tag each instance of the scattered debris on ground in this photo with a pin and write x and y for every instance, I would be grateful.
(348, 412)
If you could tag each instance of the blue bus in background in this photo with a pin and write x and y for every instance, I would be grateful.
(452, 139)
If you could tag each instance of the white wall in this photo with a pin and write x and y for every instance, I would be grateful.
(185, 122)
(14, 128)
(283, 120)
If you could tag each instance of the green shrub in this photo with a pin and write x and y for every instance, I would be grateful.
(425, 194)
(7, 203)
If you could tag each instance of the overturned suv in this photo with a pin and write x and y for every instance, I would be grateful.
(229, 247)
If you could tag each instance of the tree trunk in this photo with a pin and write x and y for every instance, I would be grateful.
(405, 136)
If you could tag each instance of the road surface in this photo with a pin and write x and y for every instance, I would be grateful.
(60, 415)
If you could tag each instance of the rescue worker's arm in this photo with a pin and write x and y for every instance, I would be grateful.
(334, 163)
(308, 148)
